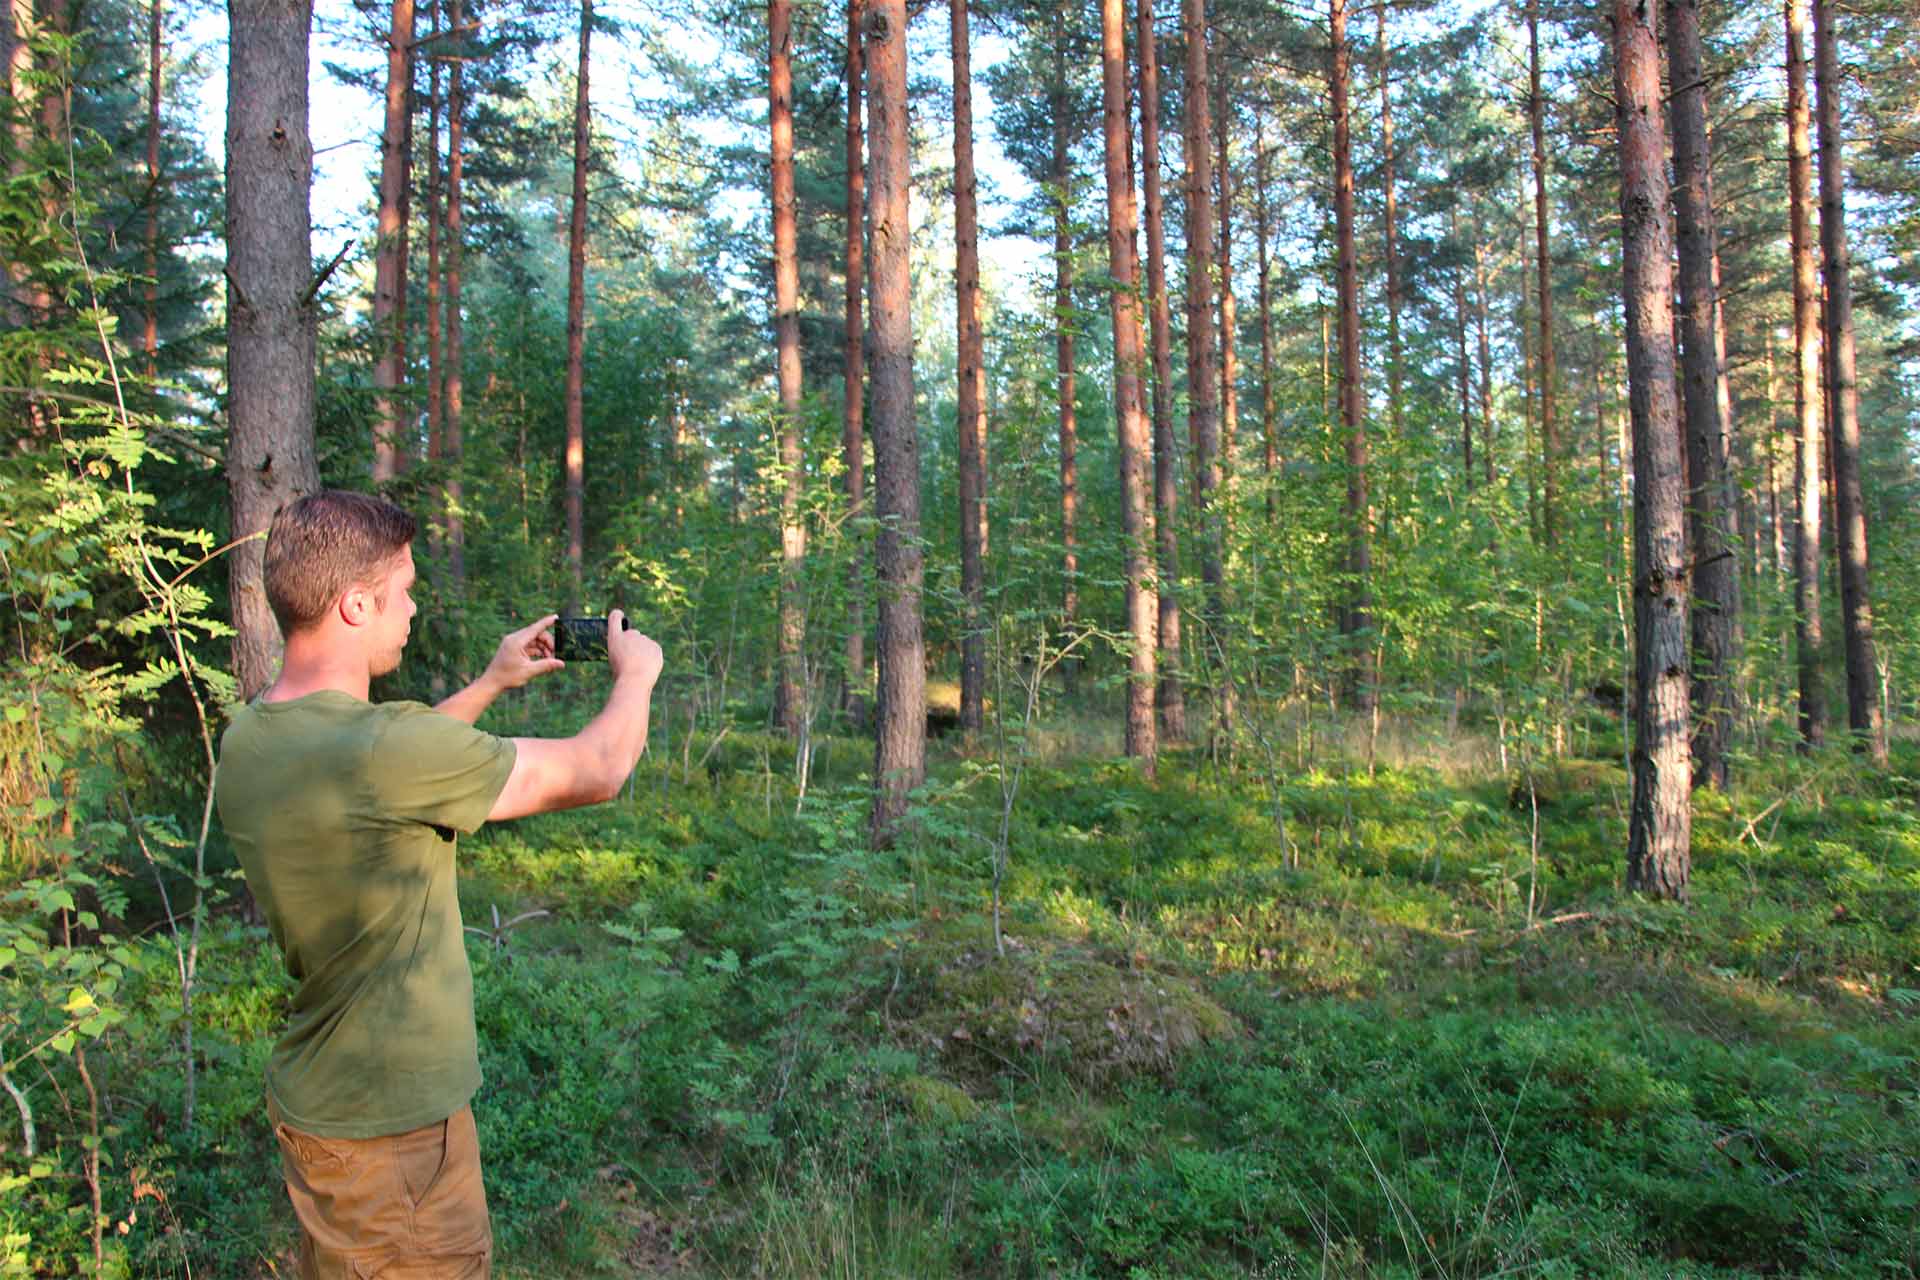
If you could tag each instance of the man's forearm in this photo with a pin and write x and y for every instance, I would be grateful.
(618, 735)
(470, 702)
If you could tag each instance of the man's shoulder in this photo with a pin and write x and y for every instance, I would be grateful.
(410, 733)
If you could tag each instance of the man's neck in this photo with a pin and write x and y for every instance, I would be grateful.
(311, 665)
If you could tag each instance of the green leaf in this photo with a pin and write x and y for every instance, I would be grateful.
(63, 1043)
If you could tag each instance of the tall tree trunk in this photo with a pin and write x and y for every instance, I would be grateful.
(576, 454)
(1774, 522)
(853, 426)
(972, 391)
(1389, 232)
(1128, 363)
(150, 333)
(1528, 437)
(1063, 324)
(1171, 698)
(270, 318)
(1807, 398)
(1269, 423)
(1659, 852)
(1735, 498)
(900, 752)
(390, 266)
(453, 438)
(1486, 362)
(1359, 612)
(1716, 574)
(1465, 370)
(1850, 513)
(1229, 305)
(30, 301)
(1203, 386)
(789, 694)
(436, 363)
(1549, 432)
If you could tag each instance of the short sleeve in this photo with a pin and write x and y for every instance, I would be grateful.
(431, 768)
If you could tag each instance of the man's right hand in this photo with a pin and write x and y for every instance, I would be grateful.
(590, 766)
(631, 654)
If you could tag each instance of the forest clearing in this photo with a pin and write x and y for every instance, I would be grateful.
(1286, 638)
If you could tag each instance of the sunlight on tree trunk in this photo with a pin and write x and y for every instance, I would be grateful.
(789, 693)
(576, 453)
(1358, 614)
(900, 750)
(390, 264)
(1170, 698)
(1129, 361)
(971, 397)
(853, 409)
(1659, 857)
(1806, 387)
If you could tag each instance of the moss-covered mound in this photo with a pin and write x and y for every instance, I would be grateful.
(1095, 1014)
(1571, 785)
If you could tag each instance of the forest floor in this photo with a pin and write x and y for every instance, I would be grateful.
(1304, 1021)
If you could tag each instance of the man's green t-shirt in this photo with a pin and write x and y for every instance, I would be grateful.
(343, 815)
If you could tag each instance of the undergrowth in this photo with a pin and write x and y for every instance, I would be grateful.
(1235, 1027)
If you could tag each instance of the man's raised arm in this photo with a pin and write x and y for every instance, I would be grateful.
(592, 765)
(522, 655)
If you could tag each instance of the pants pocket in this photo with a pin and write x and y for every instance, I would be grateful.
(440, 1171)
(421, 1156)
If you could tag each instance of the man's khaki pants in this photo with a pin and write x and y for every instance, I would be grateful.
(409, 1206)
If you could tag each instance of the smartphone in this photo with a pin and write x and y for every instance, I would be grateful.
(583, 639)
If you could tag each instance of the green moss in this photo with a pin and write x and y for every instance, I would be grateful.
(936, 1102)
(1093, 1013)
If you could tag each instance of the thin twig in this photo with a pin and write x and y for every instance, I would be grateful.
(306, 299)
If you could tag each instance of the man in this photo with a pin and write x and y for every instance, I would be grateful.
(344, 815)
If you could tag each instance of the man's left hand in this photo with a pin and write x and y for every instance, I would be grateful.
(524, 654)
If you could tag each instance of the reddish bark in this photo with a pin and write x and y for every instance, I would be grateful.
(453, 439)
(390, 263)
(972, 391)
(1229, 317)
(1549, 431)
(435, 362)
(1716, 577)
(1269, 423)
(1129, 410)
(1203, 383)
(853, 428)
(1806, 390)
(788, 701)
(1389, 233)
(1659, 859)
(1170, 696)
(1464, 370)
(900, 756)
(1358, 616)
(150, 333)
(1843, 407)
(576, 453)
(1486, 363)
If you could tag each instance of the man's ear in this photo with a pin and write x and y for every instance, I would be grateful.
(355, 606)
